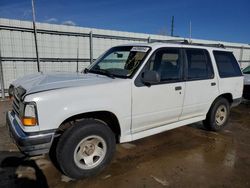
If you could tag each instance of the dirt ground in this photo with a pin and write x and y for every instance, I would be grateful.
(184, 157)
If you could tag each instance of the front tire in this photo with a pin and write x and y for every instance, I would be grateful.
(218, 115)
(85, 149)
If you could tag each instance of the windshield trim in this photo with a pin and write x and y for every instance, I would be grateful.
(115, 75)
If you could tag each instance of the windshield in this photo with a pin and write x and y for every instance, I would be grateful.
(120, 61)
(246, 70)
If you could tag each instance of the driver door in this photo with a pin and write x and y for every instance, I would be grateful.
(161, 103)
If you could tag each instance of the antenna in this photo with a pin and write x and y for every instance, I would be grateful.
(172, 26)
(35, 34)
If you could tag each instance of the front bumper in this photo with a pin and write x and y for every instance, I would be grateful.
(31, 144)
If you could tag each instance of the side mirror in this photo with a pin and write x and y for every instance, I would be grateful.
(151, 77)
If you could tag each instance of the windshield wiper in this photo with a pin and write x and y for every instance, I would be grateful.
(103, 71)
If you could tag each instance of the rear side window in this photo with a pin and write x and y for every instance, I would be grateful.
(198, 64)
(227, 64)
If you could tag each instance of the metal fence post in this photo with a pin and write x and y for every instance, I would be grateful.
(91, 47)
(1, 77)
(149, 39)
(77, 63)
(241, 56)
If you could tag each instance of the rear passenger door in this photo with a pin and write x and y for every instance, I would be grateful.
(201, 84)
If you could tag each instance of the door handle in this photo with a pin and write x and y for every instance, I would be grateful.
(213, 84)
(177, 88)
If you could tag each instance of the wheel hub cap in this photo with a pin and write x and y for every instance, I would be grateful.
(90, 152)
(89, 149)
(221, 115)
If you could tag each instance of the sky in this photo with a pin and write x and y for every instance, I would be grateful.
(227, 20)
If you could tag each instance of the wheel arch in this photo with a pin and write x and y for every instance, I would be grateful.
(209, 121)
(106, 117)
(227, 96)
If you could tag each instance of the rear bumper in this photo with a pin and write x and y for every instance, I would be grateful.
(236, 102)
(246, 92)
(31, 144)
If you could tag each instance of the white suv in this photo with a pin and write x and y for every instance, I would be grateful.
(130, 92)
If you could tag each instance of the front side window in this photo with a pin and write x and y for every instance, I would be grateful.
(167, 63)
(227, 64)
(198, 64)
(120, 61)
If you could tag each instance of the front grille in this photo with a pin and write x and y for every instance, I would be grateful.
(16, 105)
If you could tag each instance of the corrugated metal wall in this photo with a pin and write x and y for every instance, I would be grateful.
(64, 48)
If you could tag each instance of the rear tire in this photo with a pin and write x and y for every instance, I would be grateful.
(85, 149)
(218, 115)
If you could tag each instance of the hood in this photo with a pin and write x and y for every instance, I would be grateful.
(44, 82)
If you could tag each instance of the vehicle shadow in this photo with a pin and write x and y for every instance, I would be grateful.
(9, 164)
(197, 125)
(246, 102)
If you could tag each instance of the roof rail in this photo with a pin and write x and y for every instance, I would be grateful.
(219, 45)
(187, 42)
(181, 41)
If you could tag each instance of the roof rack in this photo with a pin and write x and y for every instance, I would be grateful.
(219, 45)
(187, 42)
(175, 41)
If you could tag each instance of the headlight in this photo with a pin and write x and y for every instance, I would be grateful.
(29, 115)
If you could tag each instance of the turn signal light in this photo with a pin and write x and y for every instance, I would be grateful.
(29, 121)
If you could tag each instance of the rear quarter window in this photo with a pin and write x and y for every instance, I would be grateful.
(199, 65)
(227, 64)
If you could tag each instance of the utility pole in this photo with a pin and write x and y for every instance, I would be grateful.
(190, 31)
(35, 35)
(172, 26)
